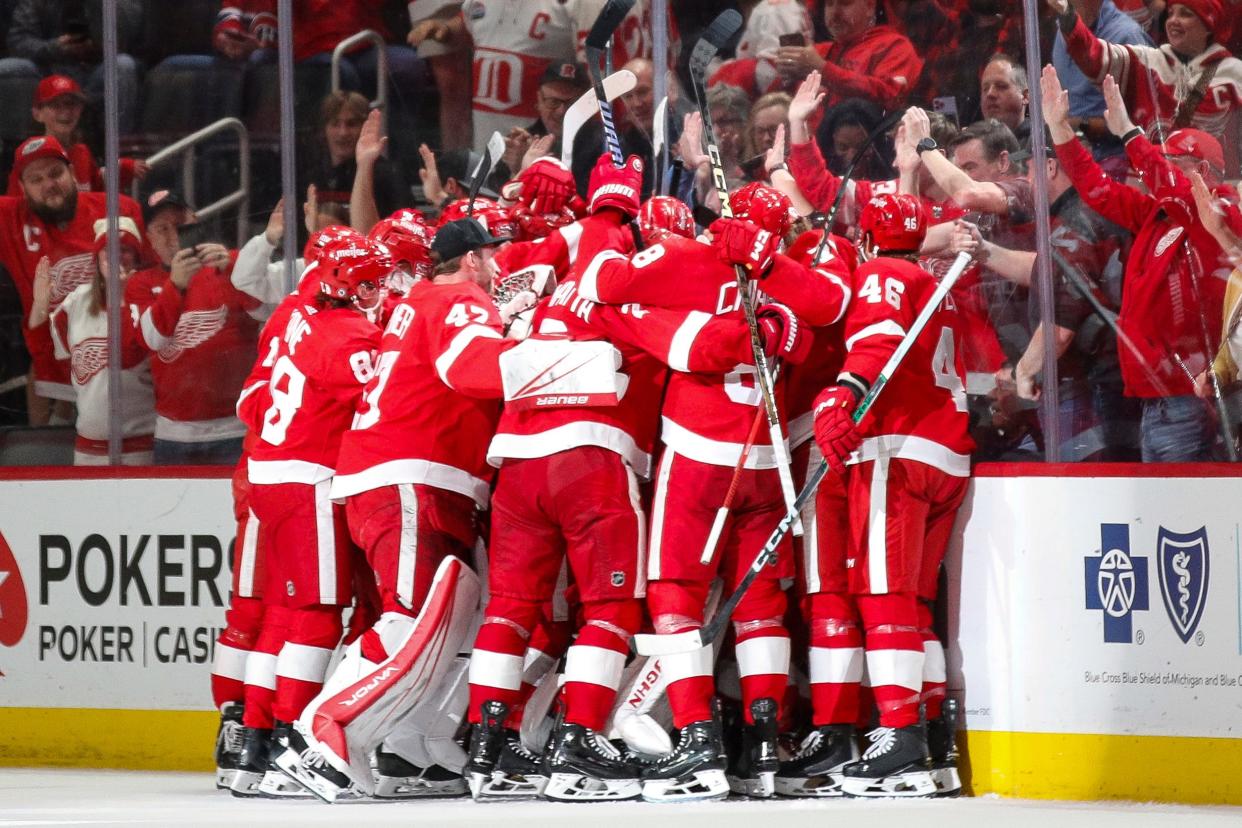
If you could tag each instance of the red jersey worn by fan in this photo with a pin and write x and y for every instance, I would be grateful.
(320, 24)
(1154, 80)
(514, 43)
(879, 64)
(203, 340)
(24, 239)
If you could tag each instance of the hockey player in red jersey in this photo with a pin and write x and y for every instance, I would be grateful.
(573, 444)
(707, 418)
(895, 505)
(320, 365)
(243, 673)
(413, 474)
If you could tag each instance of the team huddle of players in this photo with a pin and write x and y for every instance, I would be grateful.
(516, 440)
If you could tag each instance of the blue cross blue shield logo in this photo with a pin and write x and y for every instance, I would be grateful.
(1182, 562)
(1116, 582)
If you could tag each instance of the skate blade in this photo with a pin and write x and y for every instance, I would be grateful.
(276, 785)
(245, 784)
(574, 787)
(762, 786)
(948, 782)
(290, 765)
(500, 786)
(814, 787)
(701, 785)
(413, 787)
(908, 783)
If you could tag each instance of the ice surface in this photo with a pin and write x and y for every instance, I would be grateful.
(30, 797)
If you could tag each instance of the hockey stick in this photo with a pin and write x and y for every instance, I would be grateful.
(717, 35)
(659, 131)
(582, 110)
(722, 514)
(609, 19)
(694, 639)
(491, 157)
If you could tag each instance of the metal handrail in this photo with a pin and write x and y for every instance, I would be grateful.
(381, 69)
(186, 146)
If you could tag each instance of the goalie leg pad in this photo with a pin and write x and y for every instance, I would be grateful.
(349, 724)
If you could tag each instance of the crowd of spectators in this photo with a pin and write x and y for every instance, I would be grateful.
(829, 100)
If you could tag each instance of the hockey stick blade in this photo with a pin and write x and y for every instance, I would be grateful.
(491, 157)
(694, 639)
(610, 17)
(585, 108)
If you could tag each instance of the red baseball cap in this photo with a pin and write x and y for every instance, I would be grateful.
(1195, 143)
(34, 149)
(57, 86)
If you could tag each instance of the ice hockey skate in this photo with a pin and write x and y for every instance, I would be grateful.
(498, 766)
(752, 770)
(583, 766)
(275, 784)
(816, 769)
(895, 764)
(251, 762)
(942, 745)
(228, 744)
(395, 778)
(694, 770)
(311, 768)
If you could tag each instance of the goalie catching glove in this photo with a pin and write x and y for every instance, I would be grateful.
(784, 337)
(835, 431)
(739, 242)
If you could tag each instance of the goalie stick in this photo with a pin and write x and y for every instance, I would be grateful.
(491, 157)
(609, 19)
(691, 640)
(721, 30)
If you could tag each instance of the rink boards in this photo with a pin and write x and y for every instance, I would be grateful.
(1097, 642)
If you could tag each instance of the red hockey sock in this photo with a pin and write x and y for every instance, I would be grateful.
(894, 655)
(935, 675)
(239, 636)
(594, 663)
(762, 645)
(260, 685)
(836, 659)
(302, 664)
(677, 606)
(498, 658)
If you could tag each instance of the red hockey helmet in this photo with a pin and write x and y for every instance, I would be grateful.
(321, 239)
(497, 220)
(765, 206)
(894, 221)
(458, 209)
(408, 240)
(354, 271)
(664, 216)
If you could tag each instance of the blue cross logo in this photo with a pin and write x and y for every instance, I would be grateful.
(1116, 582)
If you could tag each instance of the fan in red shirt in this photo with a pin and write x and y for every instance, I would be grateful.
(201, 331)
(320, 366)
(895, 506)
(50, 219)
(707, 417)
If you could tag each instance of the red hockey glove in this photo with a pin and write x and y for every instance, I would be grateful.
(547, 186)
(618, 187)
(783, 335)
(835, 432)
(737, 241)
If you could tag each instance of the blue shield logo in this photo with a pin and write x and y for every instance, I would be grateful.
(1182, 562)
(1116, 582)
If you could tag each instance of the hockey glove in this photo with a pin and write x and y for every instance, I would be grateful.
(783, 335)
(738, 242)
(835, 432)
(616, 187)
(547, 186)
